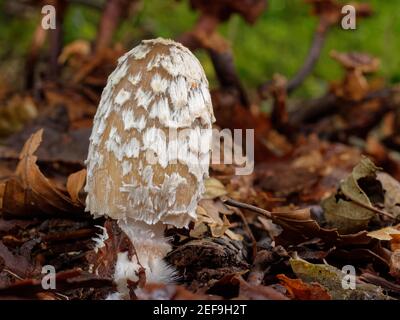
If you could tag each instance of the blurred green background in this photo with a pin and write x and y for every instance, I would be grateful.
(277, 42)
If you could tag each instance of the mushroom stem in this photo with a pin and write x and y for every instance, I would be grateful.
(151, 247)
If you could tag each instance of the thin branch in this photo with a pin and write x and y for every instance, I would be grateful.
(56, 38)
(317, 108)
(226, 73)
(312, 57)
(238, 204)
(365, 206)
(205, 35)
(37, 43)
(250, 233)
(110, 19)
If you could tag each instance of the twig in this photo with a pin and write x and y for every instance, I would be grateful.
(319, 107)
(310, 62)
(250, 233)
(312, 57)
(56, 38)
(13, 274)
(238, 204)
(37, 42)
(356, 201)
(112, 14)
(379, 281)
(226, 73)
(204, 35)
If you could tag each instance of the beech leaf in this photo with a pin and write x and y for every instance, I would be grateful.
(332, 278)
(343, 210)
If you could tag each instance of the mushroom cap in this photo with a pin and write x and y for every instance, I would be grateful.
(356, 60)
(150, 145)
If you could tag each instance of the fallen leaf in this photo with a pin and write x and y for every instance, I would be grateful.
(341, 210)
(31, 193)
(66, 280)
(298, 226)
(15, 263)
(383, 234)
(332, 279)
(391, 189)
(214, 189)
(273, 229)
(75, 183)
(304, 291)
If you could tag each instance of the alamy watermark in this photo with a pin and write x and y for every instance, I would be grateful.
(49, 279)
(49, 17)
(349, 20)
(191, 146)
(349, 278)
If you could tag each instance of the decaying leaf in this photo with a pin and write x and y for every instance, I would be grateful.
(233, 285)
(304, 291)
(211, 215)
(214, 189)
(273, 229)
(332, 279)
(384, 234)
(31, 193)
(347, 209)
(391, 188)
(66, 280)
(15, 263)
(75, 184)
(298, 226)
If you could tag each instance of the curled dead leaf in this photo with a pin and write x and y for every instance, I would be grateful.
(384, 233)
(304, 291)
(75, 184)
(29, 192)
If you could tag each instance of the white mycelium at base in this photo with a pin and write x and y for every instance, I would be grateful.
(138, 172)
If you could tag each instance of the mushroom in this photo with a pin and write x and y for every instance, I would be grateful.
(355, 85)
(149, 152)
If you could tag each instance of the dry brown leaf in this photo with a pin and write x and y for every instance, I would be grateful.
(214, 189)
(199, 230)
(273, 229)
(395, 242)
(298, 226)
(384, 233)
(75, 184)
(304, 291)
(211, 210)
(30, 192)
(218, 229)
(233, 235)
(209, 213)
